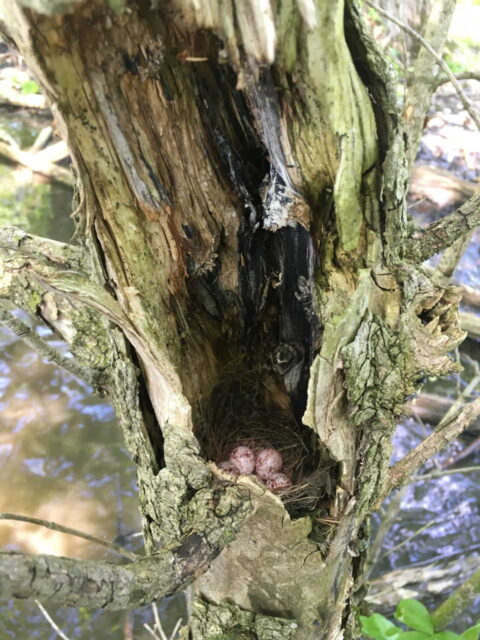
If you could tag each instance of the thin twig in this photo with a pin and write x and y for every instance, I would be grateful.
(176, 628)
(463, 98)
(402, 470)
(442, 557)
(447, 472)
(150, 631)
(420, 530)
(427, 525)
(51, 622)
(158, 624)
(458, 404)
(54, 526)
(413, 535)
(464, 453)
(37, 343)
(467, 75)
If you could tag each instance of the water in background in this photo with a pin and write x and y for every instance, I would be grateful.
(61, 452)
(444, 511)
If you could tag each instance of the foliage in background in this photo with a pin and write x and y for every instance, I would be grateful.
(29, 87)
(462, 51)
(414, 615)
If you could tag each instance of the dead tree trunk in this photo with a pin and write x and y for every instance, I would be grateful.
(246, 271)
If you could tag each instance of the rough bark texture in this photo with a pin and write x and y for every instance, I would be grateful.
(422, 78)
(91, 583)
(441, 234)
(241, 171)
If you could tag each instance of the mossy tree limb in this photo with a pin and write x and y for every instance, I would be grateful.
(441, 234)
(460, 600)
(99, 584)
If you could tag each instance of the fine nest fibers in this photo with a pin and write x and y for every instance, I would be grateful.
(240, 412)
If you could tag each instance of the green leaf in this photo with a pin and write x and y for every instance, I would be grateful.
(415, 615)
(471, 633)
(446, 635)
(29, 86)
(378, 627)
(414, 635)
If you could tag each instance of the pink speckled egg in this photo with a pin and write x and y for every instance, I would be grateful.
(277, 481)
(268, 461)
(228, 467)
(243, 458)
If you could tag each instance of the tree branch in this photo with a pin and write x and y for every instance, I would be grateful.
(444, 66)
(97, 584)
(56, 253)
(459, 601)
(402, 470)
(59, 267)
(467, 75)
(23, 331)
(9, 95)
(24, 260)
(421, 77)
(441, 234)
(36, 162)
(451, 257)
(425, 579)
(54, 526)
(439, 473)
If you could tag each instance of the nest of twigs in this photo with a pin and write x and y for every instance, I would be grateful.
(240, 411)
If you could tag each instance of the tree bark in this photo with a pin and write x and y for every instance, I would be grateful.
(241, 172)
(92, 583)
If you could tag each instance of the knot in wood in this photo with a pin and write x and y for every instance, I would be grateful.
(285, 357)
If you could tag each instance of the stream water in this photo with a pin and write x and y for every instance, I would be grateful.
(62, 456)
(61, 451)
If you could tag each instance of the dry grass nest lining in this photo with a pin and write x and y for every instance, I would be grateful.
(239, 413)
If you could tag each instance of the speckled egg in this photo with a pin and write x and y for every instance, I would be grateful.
(268, 461)
(277, 481)
(229, 467)
(244, 459)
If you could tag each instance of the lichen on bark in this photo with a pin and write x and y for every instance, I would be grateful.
(227, 622)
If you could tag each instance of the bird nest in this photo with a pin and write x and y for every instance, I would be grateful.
(241, 412)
